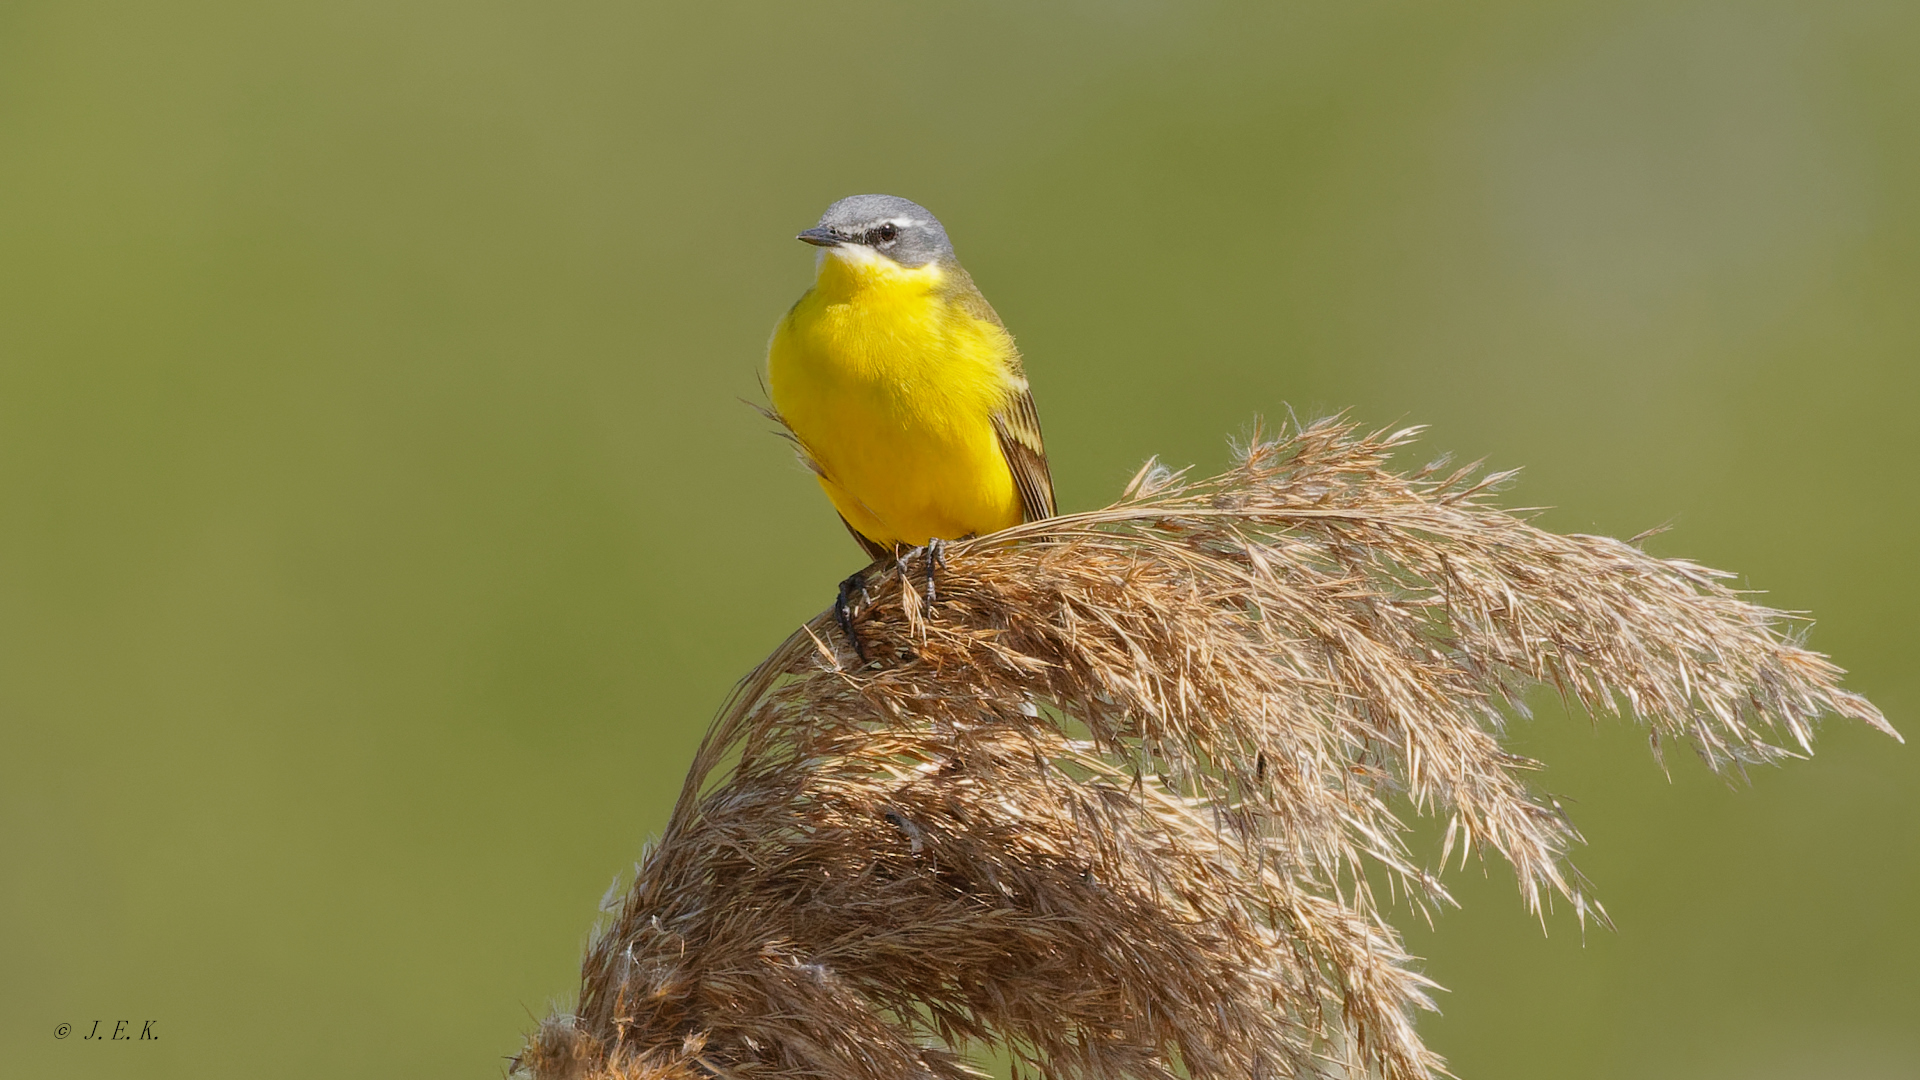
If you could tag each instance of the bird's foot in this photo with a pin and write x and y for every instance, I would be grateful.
(933, 554)
(854, 586)
(936, 554)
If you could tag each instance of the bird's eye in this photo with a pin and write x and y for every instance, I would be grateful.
(887, 233)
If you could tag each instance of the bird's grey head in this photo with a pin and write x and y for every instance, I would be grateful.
(885, 224)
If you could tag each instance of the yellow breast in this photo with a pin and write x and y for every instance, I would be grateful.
(891, 389)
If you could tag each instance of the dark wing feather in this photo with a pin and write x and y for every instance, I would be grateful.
(874, 549)
(1016, 423)
(1018, 426)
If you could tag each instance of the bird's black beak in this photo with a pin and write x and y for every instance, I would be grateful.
(819, 236)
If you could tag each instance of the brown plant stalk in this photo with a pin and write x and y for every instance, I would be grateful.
(1117, 803)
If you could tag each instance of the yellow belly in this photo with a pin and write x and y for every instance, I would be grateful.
(891, 390)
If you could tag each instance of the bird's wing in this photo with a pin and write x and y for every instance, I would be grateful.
(874, 549)
(1016, 423)
(1018, 426)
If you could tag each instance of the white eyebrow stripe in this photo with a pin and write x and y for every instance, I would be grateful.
(861, 232)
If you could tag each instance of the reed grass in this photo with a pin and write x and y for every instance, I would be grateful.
(1121, 802)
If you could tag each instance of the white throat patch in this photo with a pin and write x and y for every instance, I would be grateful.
(858, 256)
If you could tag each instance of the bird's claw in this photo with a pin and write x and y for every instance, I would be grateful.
(854, 585)
(855, 588)
(934, 552)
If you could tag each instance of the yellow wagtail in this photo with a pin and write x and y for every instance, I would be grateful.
(904, 389)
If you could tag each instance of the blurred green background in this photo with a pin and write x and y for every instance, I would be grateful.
(380, 523)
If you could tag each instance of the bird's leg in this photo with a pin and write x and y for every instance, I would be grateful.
(936, 550)
(854, 585)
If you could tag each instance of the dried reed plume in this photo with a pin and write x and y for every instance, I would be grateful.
(1118, 803)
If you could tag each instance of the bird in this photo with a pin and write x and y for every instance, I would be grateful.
(904, 390)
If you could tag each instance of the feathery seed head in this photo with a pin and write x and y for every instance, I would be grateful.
(1118, 804)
